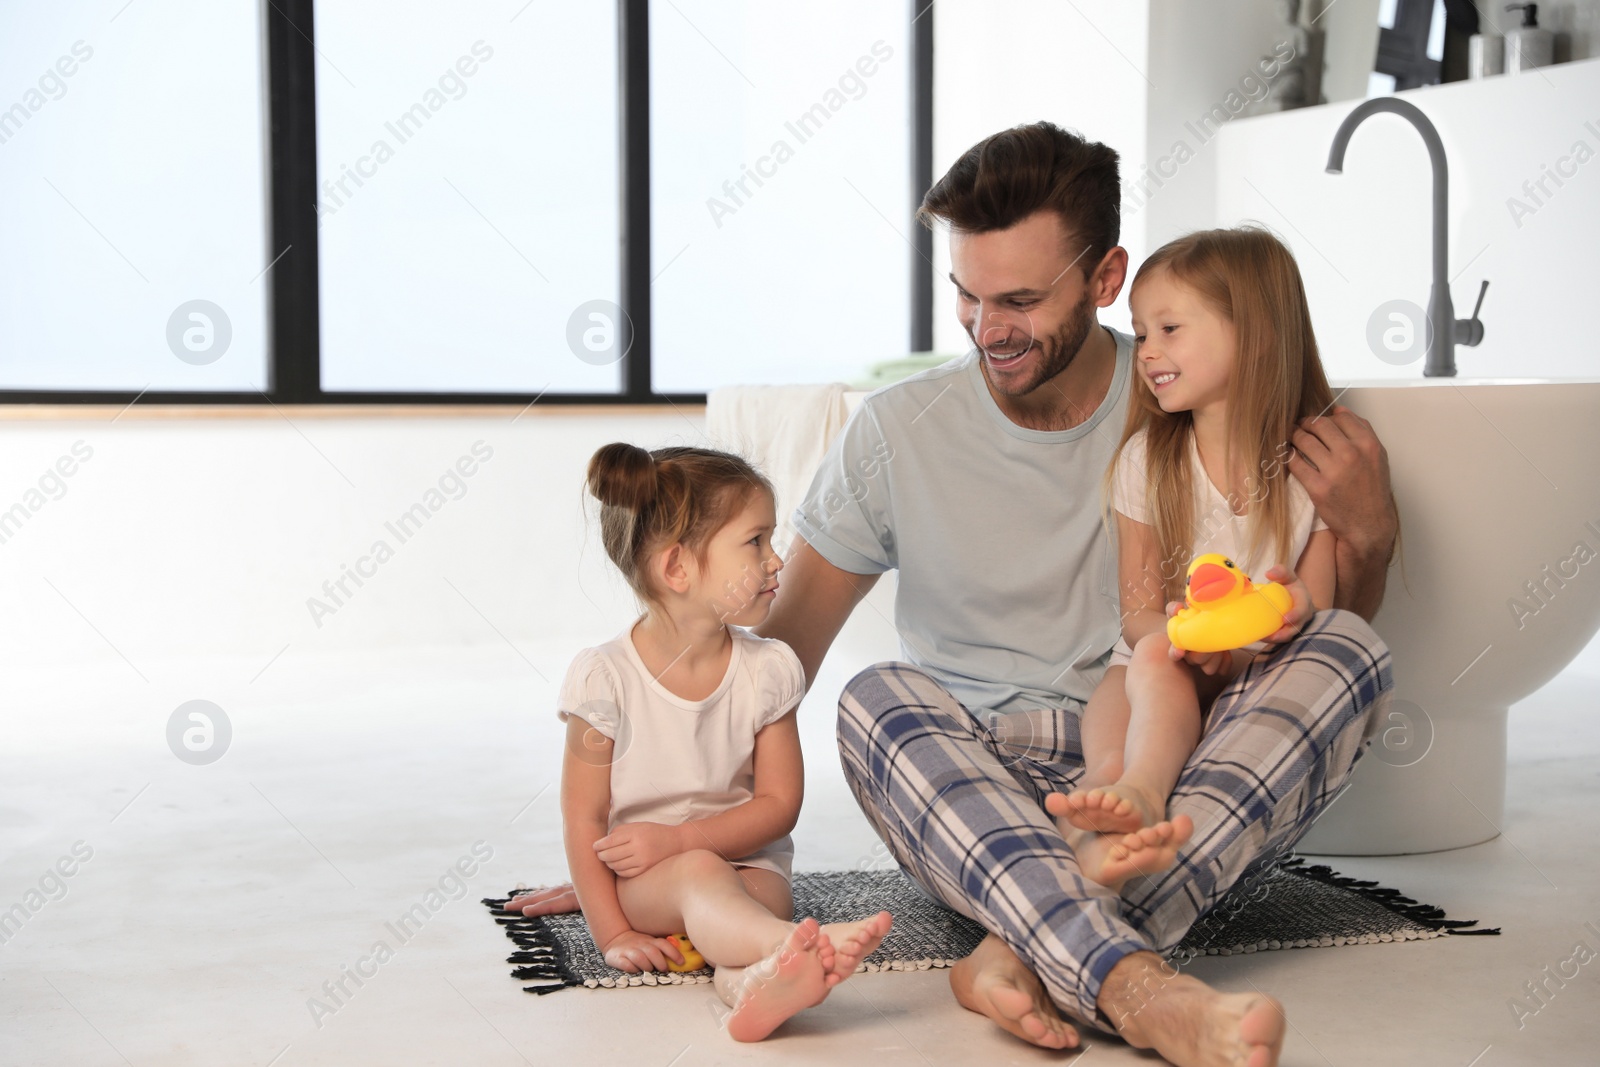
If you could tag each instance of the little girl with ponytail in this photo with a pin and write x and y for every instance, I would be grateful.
(682, 776)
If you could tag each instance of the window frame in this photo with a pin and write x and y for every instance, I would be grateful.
(294, 360)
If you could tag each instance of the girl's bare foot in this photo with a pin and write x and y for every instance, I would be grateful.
(994, 982)
(853, 942)
(1118, 808)
(1112, 859)
(787, 982)
(1188, 1022)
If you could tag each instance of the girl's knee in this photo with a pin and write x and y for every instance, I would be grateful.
(1152, 647)
(1152, 657)
(702, 863)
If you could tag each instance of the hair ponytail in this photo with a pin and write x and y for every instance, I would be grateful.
(623, 476)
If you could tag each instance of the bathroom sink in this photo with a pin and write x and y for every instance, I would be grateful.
(1495, 590)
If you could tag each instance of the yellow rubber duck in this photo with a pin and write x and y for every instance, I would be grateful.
(692, 960)
(1223, 610)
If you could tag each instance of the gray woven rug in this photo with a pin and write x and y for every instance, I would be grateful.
(1289, 905)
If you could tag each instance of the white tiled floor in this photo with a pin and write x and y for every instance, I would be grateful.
(219, 899)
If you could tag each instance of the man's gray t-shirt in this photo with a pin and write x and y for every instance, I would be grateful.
(1008, 576)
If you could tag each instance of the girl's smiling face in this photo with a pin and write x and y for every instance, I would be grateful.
(740, 576)
(1184, 348)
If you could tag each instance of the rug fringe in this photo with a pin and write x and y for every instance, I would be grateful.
(539, 951)
(1392, 899)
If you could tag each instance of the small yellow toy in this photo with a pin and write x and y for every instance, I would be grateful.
(1223, 610)
(692, 960)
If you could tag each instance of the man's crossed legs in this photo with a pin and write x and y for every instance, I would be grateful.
(960, 804)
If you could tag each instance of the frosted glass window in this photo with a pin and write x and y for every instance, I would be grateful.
(780, 162)
(468, 204)
(133, 197)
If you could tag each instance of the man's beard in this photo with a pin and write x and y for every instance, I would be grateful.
(1055, 354)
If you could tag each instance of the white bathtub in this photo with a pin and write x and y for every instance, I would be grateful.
(1496, 589)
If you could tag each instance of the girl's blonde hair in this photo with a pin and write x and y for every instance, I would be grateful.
(677, 495)
(1246, 275)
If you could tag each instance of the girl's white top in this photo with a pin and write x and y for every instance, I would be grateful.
(676, 760)
(1217, 528)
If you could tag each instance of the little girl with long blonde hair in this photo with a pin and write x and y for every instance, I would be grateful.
(1226, 366)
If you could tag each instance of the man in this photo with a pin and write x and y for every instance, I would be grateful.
(980, 482)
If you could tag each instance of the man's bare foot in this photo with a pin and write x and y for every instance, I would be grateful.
(994, 982)
(780, 986)
(1112, 859)
(1118, 808)
(853, 942)
(1188, 1022)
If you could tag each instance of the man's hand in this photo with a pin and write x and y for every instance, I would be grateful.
(633, 952)
(556, 900)
(1345, 471)
(635, 847)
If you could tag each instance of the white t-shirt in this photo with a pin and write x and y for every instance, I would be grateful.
(676, 760)
(1217, 528)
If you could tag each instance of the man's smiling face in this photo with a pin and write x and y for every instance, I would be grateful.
(1022, 297)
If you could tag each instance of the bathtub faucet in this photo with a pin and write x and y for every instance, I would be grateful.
(1445, 329)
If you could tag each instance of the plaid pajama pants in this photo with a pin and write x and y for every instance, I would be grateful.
(959, 799)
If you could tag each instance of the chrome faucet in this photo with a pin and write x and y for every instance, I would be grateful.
(1446, 330)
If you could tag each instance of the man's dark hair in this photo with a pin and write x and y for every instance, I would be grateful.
(1006, 177)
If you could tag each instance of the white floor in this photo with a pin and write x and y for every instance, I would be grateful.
(219, 899)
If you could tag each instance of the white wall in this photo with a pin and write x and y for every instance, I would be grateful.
(1003, 63)
(199, 537)
(1363, 237)
(1203, 56)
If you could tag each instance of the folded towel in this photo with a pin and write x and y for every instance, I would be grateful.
(785, 430)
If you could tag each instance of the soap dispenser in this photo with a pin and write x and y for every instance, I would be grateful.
(1529, 45)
